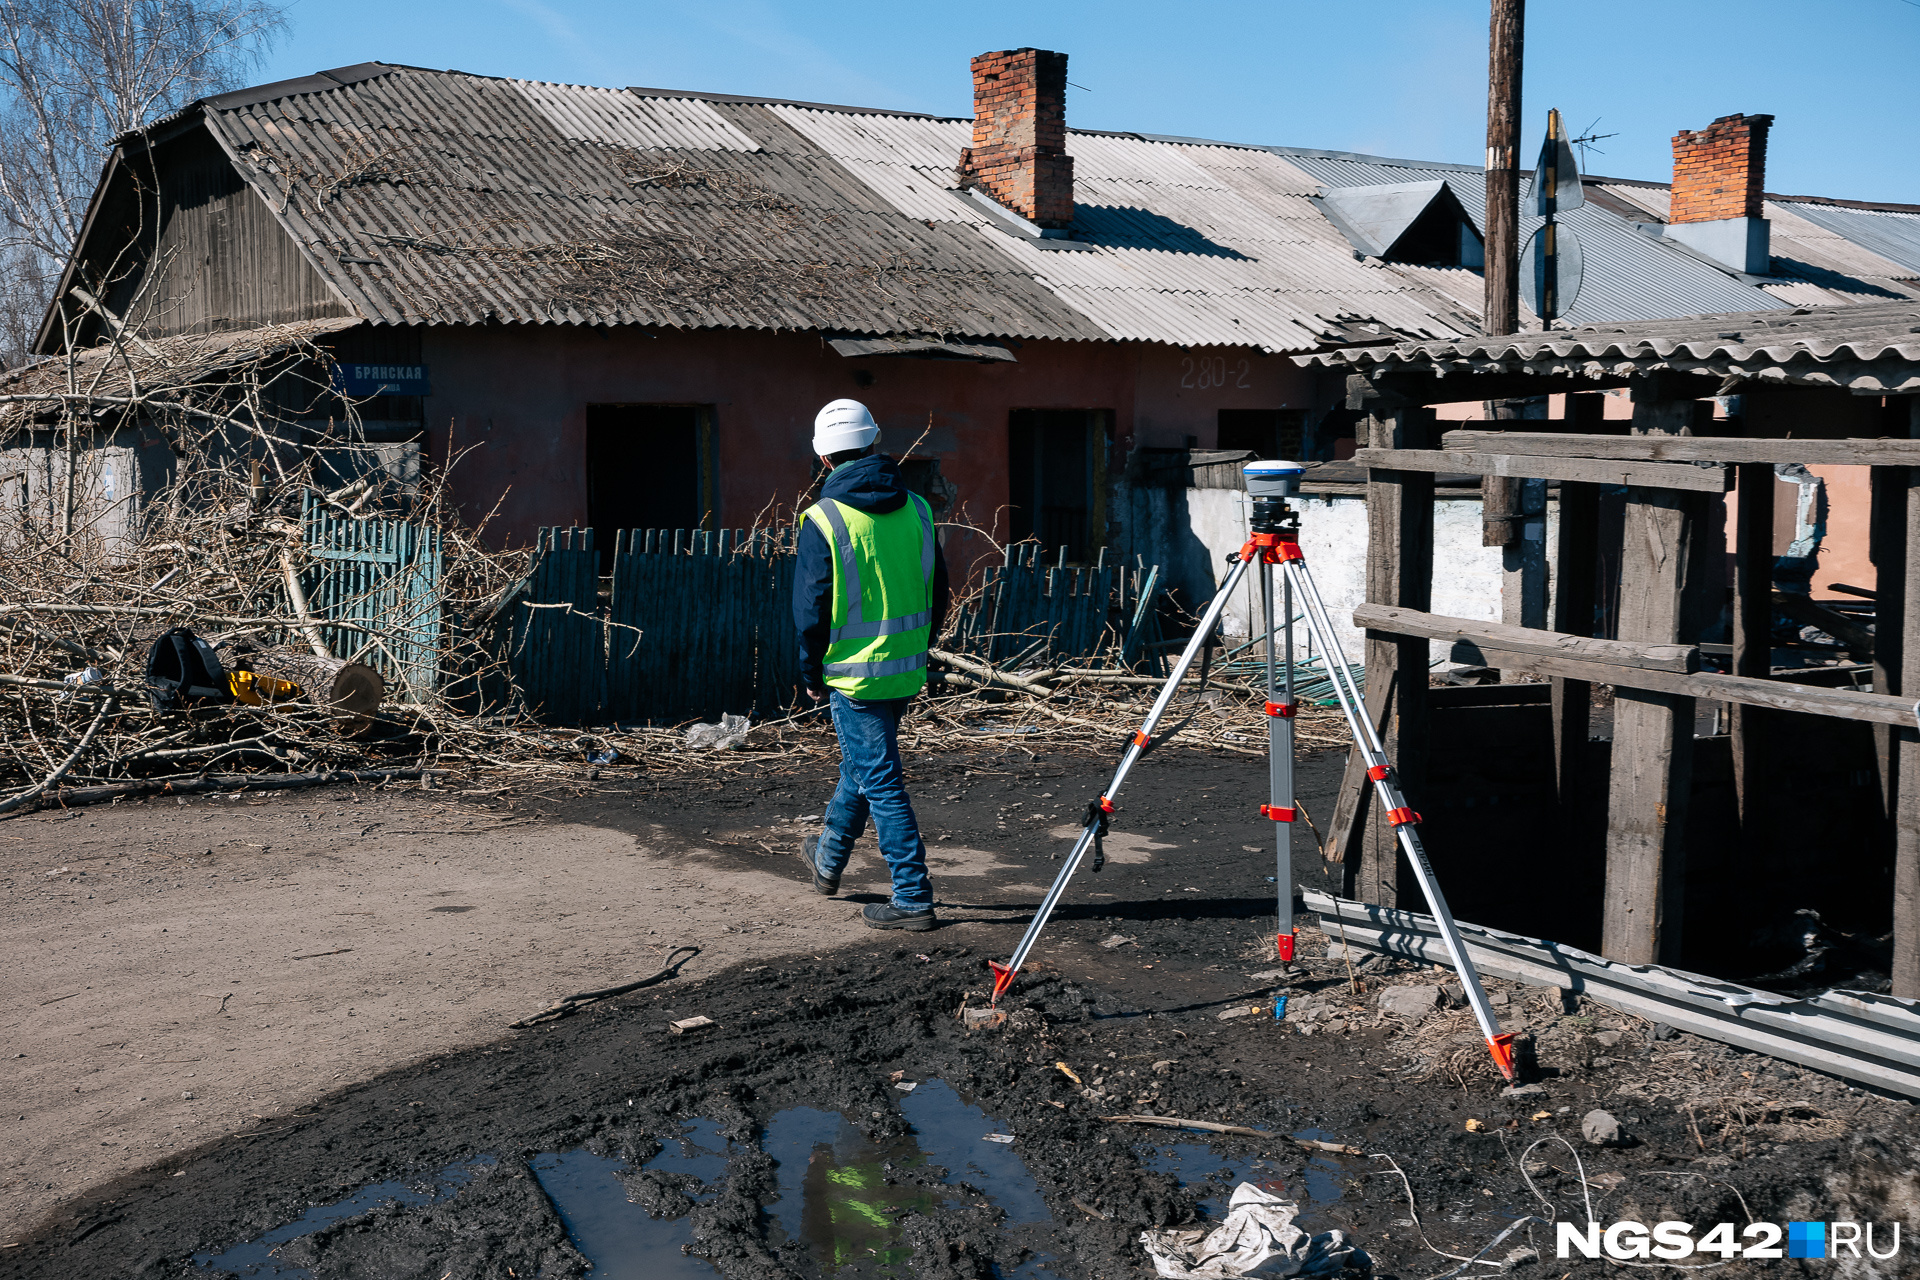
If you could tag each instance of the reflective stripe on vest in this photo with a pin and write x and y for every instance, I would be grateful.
(876, 571)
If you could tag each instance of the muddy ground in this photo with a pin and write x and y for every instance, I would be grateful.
(115, 1171)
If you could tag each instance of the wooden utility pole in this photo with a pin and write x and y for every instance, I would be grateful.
(1502, 312)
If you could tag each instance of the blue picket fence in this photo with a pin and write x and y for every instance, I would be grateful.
(383, 576)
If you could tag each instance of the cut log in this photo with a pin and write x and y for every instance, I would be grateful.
(351, 688)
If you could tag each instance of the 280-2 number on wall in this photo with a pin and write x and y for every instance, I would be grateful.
(1206, 372)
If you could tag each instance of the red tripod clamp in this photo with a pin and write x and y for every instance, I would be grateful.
(1284, 710)
(1283, 943)
(1277, 813)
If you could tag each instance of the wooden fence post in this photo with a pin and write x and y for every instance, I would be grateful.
(1575, 565)
(1906, 864)
(1652, 772)
(1399, 572)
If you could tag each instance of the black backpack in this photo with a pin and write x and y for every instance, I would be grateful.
(183, 668)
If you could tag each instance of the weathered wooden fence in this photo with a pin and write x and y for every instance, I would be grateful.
(700, 622)
(383, 575)
(555, 637)
(1029, 610)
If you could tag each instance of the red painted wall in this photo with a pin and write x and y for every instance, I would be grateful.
(511, 402)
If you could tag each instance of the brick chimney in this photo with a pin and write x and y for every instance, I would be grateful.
(1019, 152)
(1719, 173)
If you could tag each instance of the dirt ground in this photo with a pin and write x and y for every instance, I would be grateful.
(225, 1011)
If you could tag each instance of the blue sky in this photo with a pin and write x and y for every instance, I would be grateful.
(1389, 77)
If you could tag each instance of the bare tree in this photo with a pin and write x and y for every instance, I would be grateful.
(74, 76)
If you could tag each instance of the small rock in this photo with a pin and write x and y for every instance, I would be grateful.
(1607, 1038)
(1661, 1031)
(1243, 1011)
(1116, 940)
(1522, 1257)
(1414, 1002)
(1500, 999)
(1523, 1091)
(1601, 1129)
(188, 1096)
(1455, 995)
(980, 1019)
(1163, 1067)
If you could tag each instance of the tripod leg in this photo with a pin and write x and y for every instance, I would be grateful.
(1280, 805)
(1003, 974)
(1401, 815)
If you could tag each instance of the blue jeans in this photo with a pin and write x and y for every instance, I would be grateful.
(872, 780)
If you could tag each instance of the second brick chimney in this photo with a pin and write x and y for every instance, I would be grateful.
(1019, 152)
(1719, 173)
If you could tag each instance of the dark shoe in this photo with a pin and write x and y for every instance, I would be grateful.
(884, 915)
(810, 854)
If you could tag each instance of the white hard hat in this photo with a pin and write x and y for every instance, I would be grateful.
(843, 425)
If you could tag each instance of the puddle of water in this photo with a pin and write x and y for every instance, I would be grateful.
(617, 1236)
(255, 1257)
(951, 1133)
(1315, 1187)
(834, 1195)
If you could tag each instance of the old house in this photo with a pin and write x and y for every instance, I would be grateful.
(621, 307)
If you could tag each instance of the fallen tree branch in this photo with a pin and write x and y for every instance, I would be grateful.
(237, 782)
(1208, 1126)
(990, 673)
(32, 793)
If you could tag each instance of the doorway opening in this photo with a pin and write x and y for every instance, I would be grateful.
(649, 466)
(1057, 479)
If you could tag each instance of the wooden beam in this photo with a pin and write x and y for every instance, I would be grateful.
(1503, 640)
(1652, 771)
(1399, 572)
(1752, 651)
(1906, 860)
(1647, 475)
(1722, 449)
(1576, 588)
(1346, 833)
(1544, 660)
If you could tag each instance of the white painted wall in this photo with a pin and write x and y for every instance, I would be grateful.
(1333, 535)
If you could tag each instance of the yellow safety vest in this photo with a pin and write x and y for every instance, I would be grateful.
(882, 597)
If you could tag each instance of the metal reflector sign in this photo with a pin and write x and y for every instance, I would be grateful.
(1550, 270)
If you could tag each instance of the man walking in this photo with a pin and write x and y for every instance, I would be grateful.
(869, 595)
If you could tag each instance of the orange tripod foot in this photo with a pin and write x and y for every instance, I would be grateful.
(1502, 1048)
(1003, 978)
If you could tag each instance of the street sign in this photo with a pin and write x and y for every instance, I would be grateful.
(359, 380)
(1556, 179)
(1550, 270)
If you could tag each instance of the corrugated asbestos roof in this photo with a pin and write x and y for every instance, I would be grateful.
(431, 197)
(1873, 347)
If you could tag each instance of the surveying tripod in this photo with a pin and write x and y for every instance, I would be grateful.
(1274, 540)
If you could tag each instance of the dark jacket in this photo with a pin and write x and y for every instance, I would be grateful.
(872, 484)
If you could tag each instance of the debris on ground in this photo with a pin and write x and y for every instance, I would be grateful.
(1256, 1237)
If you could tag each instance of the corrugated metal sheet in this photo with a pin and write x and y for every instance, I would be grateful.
(1871, 347)
(521, 201)
(612, 115)
(1894, 236)
(1629, 275)
(1230, 252)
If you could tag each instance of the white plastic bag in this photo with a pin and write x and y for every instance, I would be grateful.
(729, 735)
(1257, 1238)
